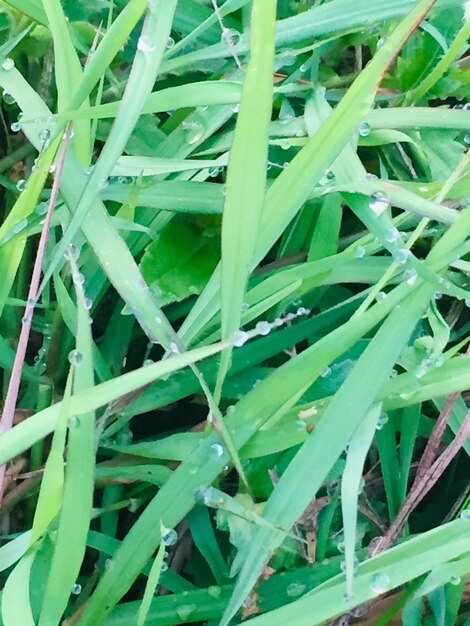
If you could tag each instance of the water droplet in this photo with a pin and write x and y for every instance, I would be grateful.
(103, 183)
(325, 372)
(217, 449)
(381, 421)
(45, 135)
(466, 106)
(379, 203)
(170, 42)
(410, 276)
(455, 580)
(88, 303)
(294, 590)
(465, 515)
(467, 302)
(16, 127)
(240, 337)
(72, 253)
(75, 357)
(214, 171)
(76, 589)
(263, 328)
(466, 139)
(401, 256)
(147, 362)
(245, 307)
(8, 64)
(195, 132)
(423, 188)
(437, 295)
(379, 583)
(169, 536)
(364, 129)
(327, 178)
(359, 252)
(21, 185)
(304, 68)
(370, 176)
(236, 108)
(185, 610)
(285, 144)
(78, 278)
(230, 409)
(302, 311)
(8, 98)
(231, 36)
(392, 235)
(146, 44)
(174, 347)
(52, 169)
(380, 297)
(207, 496)
(422, 368)
(214, 591)
(158, 319)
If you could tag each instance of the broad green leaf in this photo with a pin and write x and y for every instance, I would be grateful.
(181, 259)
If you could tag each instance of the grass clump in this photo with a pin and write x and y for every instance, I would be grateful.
(234, 312)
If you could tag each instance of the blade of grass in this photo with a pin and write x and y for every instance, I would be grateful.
(358, 448)
(246, 175)
(152, 582)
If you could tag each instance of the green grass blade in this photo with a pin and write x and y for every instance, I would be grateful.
(16, 605)
(358, 448)
(246, 174)
(79, 479)
(151, 585)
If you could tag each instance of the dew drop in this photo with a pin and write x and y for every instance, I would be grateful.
(236, 108)
(76, 589)
(381, 296)
(214, 171)
(245, 307)
(8, 98)
(231, 36)
(359, 252)
(207, 496)
(379, 203)
(410, 276)
(21, 185)
(217, 449)
(147, 362)
(455, 580)
(285, 144)
(170, 43)
(72, 253)
(88, 303)
(325, 372)
(214, 591)
(174, 347)
(401, 256)
(327, 178)
(169, 536)
(392, 235)
(382, 420)
(379, 583)
(16, 127)
(294, 590)
(364, 129)
(467, 302)
(146, 44)
(78, 278)
(465, 515)
(263, 328)
(8, 64)
(75, 357)
(240, 337)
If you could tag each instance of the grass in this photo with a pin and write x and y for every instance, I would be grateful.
(235, 254)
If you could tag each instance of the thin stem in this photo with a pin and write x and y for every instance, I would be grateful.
(6, 421)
